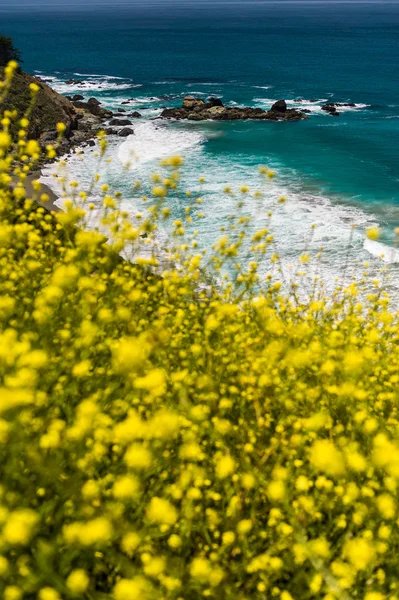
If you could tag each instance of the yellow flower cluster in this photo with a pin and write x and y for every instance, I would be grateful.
(164, 437)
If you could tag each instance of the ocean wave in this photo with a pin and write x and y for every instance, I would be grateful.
(153, 142)
(386, 253)
(96, 83)
(99, 76)
(205, 83)
(314, 106)
(344, 248)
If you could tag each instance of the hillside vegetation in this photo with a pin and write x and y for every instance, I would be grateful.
(162, 437)
(50, 107)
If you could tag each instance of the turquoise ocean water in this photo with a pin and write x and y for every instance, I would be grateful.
(335, 171)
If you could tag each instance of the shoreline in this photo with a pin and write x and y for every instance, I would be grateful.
(44, 189)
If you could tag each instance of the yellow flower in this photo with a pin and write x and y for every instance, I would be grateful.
(174, 541)
(130, 542)
(276, 490)
(138, 457)
(20, 526)
(155, 566)
(200, 569)
(387, 506)
(5, 140)
(130, 354)
(3, 566)
(359, 552)
(373, 233)
(161, 511)
(82, 369)
(12, 592)
(325, 457)
(225, 466)
(126, 488)
(48, 593)
(374, 596)
(78, 581)
(244, 526)
(131, 589)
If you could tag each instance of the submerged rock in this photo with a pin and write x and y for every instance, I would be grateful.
(125, 132)
(331, 107)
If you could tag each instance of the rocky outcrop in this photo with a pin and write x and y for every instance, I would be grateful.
(94, 107)
(279, 106)
(119, 122)
(125, 132)
(331, 107)
(83, 120)
(196, 109)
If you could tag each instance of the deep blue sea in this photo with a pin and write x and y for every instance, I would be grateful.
(335, 171)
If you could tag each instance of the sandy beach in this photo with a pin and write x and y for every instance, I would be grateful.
(50, 203)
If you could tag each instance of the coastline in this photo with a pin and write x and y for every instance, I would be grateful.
(44, 189)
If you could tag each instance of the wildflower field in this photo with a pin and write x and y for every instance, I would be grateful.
(163, 437)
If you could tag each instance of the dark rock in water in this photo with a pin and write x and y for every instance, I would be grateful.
(306, 111)
(91, 143)
(93, 102)
(77, 97)
(135, 115)
(93, 106)
(211, 102)
(111, 131)
(279, 106)
(331, 107)
(74, 82)
(125, 132)
(121, 110)
(120, 122)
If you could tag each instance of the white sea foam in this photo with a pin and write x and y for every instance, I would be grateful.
(387, 253)
(95, 83)
(153, 142)
(314, 106)
(99, 76)
(344, 248)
